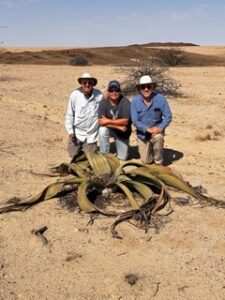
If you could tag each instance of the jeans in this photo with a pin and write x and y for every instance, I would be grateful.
(121, 145)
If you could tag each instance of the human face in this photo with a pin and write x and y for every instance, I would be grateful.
(87, 86)
(146, 90)
(114, 94)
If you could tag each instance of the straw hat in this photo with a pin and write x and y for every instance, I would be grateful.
(146, 79)
(87, 76)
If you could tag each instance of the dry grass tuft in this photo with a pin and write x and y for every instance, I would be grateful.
(209, 126)
(203, 138)
(217, 133)
(213, 136)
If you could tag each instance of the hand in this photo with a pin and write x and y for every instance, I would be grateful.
(122, 128)
(154, 130)
(73, 138)
(103, 121)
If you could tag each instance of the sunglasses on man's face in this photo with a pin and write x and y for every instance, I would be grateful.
(146, 86)
(87, 82)
(116, 90)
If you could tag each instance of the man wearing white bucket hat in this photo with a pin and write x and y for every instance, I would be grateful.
(81, 119)
(150, 114)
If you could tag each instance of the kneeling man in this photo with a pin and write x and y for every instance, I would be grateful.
(115, 121)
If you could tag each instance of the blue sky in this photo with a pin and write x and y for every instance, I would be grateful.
(34, 23)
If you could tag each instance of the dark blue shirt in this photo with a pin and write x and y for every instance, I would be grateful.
(158, 114)
(119, 111)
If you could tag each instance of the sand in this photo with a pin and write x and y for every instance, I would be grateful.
(185, 260)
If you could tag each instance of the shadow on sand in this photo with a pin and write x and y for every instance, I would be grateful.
(170, 155)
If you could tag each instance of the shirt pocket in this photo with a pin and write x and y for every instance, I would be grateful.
(141, 114)
(157, 114)
(80, 113)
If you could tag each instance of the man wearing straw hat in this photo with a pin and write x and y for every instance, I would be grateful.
(150, 114)
(81, 119)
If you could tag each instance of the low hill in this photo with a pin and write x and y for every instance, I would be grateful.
(127, 55)
(167, 44)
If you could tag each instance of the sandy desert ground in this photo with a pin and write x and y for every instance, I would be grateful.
(185, 260)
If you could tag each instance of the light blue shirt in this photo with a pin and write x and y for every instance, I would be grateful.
(82, 115)
(158, 114)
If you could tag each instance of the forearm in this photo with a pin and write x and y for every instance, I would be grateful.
(167, 116)
(119, 122)
(113, 122)
(118, 127)
(166, 121)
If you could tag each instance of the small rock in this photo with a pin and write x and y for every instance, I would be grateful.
(131, 278)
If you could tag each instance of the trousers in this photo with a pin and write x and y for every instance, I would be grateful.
(151, 150)
(104, 142)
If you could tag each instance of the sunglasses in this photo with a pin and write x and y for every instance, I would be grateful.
(87, 82)
(116, 90)
(146, 86)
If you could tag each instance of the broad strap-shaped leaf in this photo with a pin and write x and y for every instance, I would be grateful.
(122, 168)
(80, 156)
(143, 173)
(113, 161)
(142, 214)
(86, 205)
(141, 188)
(166, 175)
(99, 164)
(178, 183)
(156, 170)
(128, 194)
(122, 178)
(144, 177)
(77, 169)
(51, 191)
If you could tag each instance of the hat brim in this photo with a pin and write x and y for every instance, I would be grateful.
(114, 87)
(95, 81)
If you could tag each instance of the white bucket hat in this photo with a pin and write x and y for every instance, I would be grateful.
(88, 77)
(146, 79)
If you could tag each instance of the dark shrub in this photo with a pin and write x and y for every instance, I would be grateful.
(172, 56)
(78, 60)
(165, 84)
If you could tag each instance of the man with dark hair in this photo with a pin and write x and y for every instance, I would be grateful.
(114, 121)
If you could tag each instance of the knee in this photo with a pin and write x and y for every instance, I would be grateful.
(122, 156)
(158, 136)
(103, 131)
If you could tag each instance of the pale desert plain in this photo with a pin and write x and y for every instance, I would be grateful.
(184, 260)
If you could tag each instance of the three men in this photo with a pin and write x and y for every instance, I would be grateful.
(90, 118)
